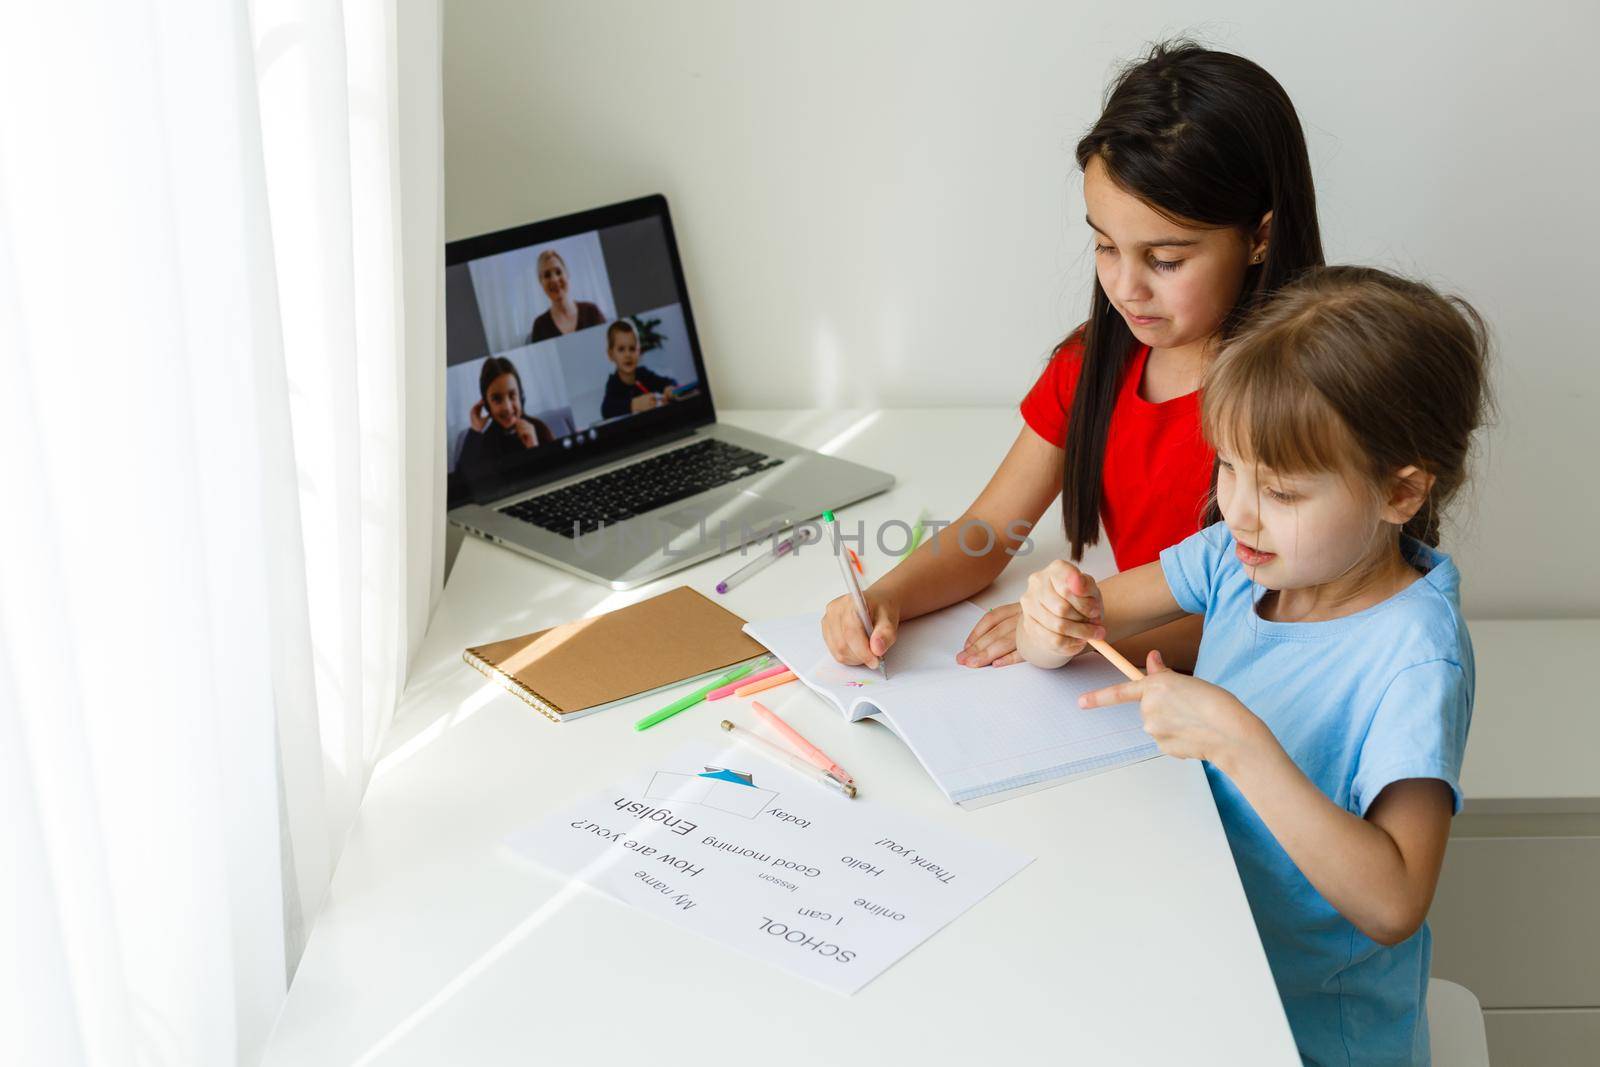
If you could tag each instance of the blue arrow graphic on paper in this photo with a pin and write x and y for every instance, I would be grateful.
(736, 777)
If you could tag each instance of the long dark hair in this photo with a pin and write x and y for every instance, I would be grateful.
(1202, 137)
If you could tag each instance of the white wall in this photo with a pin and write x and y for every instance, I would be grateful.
(877, 203)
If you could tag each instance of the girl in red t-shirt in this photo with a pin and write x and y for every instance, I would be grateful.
(1199, 196)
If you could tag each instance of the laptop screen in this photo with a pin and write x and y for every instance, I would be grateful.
(566, 342)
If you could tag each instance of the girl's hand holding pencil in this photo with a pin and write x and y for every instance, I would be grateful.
(1061, 612)
(848, 641)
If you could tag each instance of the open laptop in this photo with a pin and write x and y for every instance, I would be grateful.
(579, 424)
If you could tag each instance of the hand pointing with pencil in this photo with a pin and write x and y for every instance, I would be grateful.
(1189, 718)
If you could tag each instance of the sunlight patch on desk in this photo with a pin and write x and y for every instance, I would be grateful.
(850, 433)
(616, 600)
(469, 973)
(436, 729)
(489, 690)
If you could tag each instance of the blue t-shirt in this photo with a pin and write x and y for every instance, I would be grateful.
(1358, 702)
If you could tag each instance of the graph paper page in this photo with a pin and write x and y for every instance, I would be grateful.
(976, 731)
(924, 653)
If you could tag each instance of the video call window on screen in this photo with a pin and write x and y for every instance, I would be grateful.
(549, 346)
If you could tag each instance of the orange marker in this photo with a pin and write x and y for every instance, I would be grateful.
(765, 683)
(1118, 660)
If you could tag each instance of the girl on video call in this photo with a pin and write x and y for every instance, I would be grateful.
(499, 428)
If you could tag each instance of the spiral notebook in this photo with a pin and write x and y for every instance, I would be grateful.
(979, 732)
(586, 666)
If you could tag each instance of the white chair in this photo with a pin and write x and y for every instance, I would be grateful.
(1455, 1026)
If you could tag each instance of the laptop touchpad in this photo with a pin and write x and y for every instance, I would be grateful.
(741, 508)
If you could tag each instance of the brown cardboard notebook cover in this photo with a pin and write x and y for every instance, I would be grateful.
(583, 666)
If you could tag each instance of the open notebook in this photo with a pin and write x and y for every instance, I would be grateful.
(980, 731)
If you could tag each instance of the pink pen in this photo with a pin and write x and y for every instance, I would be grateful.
(727, 690)
(809, 752)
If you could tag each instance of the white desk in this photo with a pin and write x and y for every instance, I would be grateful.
(1128, 940)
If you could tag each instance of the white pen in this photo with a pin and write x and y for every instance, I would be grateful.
(758, 744)
(800, 537)
(853, 587)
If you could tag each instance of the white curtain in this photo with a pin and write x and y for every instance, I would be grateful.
(221, 457)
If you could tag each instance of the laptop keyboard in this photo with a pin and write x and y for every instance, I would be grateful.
(621, 494)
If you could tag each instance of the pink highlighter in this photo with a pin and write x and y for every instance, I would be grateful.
(809, 752)
(727, 690)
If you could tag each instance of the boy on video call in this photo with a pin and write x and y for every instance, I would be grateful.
(631, 388)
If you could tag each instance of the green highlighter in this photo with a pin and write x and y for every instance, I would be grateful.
(916, 534)
(684, 703)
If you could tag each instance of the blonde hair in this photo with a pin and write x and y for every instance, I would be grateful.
(1359, 372)
(548, 253)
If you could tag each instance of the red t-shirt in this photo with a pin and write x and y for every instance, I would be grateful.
(1157, 470)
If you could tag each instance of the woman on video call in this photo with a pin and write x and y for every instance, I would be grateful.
(565, 315)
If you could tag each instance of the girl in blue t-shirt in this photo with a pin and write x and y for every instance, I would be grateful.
(1333, 689)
